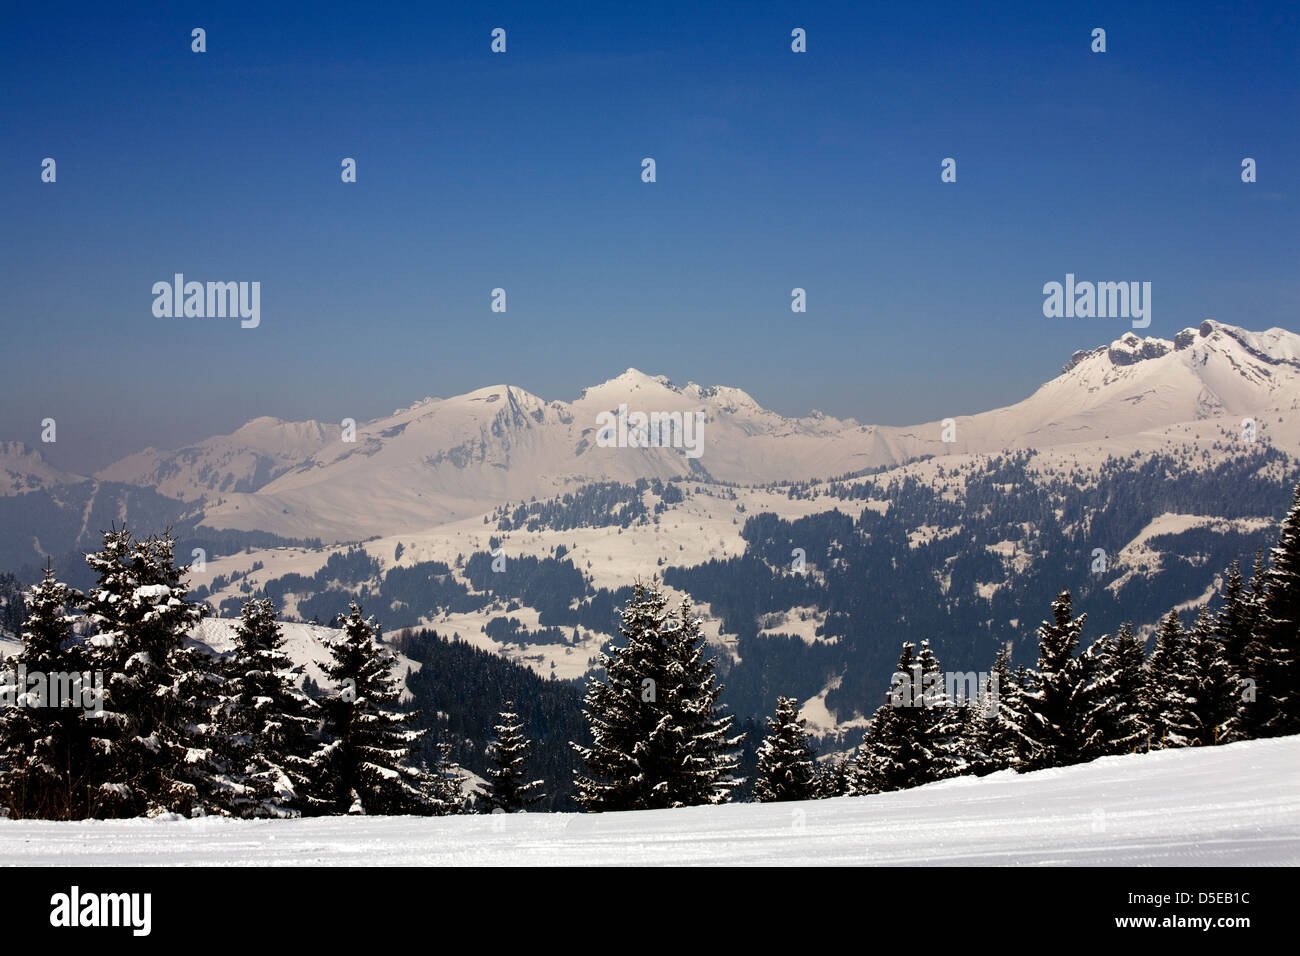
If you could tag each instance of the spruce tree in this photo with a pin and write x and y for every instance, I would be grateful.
(1275, 652)
(832, 778)
(785, 761)
(916, 737)
(994, 736)
(1214, 687)
(266, 724)
(366, 764)
(659, 737)
(1061, 710)
(152, 749)
(510, 789)
(1119, 688)
(1234, 622)
(1169, 690)
(1258, 587)
(44, 735)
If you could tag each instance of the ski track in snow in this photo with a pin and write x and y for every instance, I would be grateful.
(1236, 805)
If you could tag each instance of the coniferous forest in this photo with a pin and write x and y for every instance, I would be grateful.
(137, 719)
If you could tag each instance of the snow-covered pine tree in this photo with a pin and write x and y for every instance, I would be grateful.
(445, 790)
(1061, 710)
(916, 737)
(1215, 689)
(44, 741)
(1258, 587)
(832, 778)
(151, 748)
(1119, 688)
(1275, 652)
(265, 725)
(943, 721)
(659, 738)
(510, 789)
(995, 730)
(785, 761)
(366, 762)
(1169, 688)
(1233, 625)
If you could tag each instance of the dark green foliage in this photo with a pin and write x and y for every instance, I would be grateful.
(1170, 690)
(1062, 712)
(994, 734)
(367, 764)
(152, 748)
(460, 691)
(1120, 690)
(1275, 651)
(1214, 688)
(45, 736)
(265, 724)
(659, 739)
(785, 761)
(915, 738)
(833, 778)
(510, 788)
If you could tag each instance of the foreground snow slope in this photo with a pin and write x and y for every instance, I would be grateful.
(1235, 805)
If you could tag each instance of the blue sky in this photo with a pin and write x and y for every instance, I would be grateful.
(522, 171)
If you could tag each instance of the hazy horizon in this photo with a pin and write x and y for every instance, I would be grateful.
(522, 170)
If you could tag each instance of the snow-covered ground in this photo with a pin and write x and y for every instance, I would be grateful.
(1237, 805)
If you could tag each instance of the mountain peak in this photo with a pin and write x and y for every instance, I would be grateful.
(1274, 346)
(631, 380)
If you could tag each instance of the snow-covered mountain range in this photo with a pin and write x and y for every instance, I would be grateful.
(447, 459)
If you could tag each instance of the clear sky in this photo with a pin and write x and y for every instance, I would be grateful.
(522, 170)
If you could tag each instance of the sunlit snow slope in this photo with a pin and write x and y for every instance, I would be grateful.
(1237, 805)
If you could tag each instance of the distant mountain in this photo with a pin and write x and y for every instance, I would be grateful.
(24, 469)
(443, 459)
(241, 462)
(447, 459)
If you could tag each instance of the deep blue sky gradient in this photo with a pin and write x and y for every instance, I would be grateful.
(522, 170)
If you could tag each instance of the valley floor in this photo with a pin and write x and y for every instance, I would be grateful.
(1237, 805)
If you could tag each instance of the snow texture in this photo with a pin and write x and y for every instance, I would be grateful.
(1236, 805)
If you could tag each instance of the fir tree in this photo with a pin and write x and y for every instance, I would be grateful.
(916, 737)
(266, 723)
(151, 750)
(1275, 652)
(659, 738)
(510, 789)
(832, 779)
(1214, 687)
(1169, 692)
(994, 734)
(1258, 587)
(1061, 710)
(1119, 689)
(1233, 626)
(366, 763)
(44, 738)
(785, 761)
